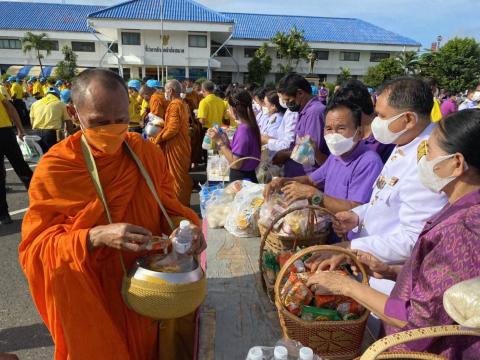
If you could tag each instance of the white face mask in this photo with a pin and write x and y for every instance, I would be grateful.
(265, 110)
(339, 144)
(183, 95)
(189, 90)
(256, 106)
(282, 103)
(427, 175)
(382, 133)
(476, 96)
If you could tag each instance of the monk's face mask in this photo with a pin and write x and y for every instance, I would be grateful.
(106, 138)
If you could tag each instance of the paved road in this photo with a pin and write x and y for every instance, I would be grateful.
(21, 330)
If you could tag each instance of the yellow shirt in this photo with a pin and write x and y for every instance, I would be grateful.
(45, 88)
(436, 114)
(38, 89)
(48, 113)
(144, 107)
(4, 92)
(4, 117)
(212, 110)
(134, 111)
(16, 91)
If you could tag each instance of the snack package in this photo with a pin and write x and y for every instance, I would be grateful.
(218, 207)
(271, 209)
(295, 293)
(234, 187)
(242, 219)
(311, 313)
(297, 267)
(328, 301)
(217, 168)
(304, 151)
(350, 307)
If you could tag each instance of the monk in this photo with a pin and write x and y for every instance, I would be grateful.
(156, 100)
(70, 253)
(174, 140)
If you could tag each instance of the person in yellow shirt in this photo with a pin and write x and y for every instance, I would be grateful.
(17, 94)
(211, 109)
(135, 124)
(436, 114)
(37, 89)
(9, 148)
(5, 90)
(47, 116)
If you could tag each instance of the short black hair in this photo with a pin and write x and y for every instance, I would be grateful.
(110, 81)
(260, 93)
(356, 92)
(460, 132)
(409, 93)
(291, 83)
(354, 108)
(208, 86)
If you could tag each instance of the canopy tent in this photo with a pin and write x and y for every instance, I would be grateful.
(26, 71)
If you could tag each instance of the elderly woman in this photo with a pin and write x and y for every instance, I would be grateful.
(447, 251)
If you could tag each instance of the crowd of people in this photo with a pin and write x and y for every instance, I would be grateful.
(399, 167)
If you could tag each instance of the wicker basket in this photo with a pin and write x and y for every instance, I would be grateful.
(329, 339)
(278, 244)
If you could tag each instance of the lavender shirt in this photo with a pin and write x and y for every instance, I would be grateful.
(448, 107)
(384, 150)
(351, 177)
(445, 254)
(245, 143)
(310, 122)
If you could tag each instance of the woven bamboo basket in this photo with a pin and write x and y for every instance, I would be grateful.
(334, 340)
(278, 244)
(377, 350)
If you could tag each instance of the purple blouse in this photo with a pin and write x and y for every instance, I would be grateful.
(245, 143)
(446, 253)
(310, 122)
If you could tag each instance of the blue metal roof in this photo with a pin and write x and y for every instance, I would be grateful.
(316, 29)
(45, 16)
(175, 10)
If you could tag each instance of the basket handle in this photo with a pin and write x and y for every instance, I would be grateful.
(374, 351)
(317, 248)
(312, 208)
(236, 162)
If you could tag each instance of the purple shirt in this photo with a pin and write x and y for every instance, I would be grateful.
(448, 107)
(351, 177)
(245, 143)
(445, 254)
(384, 150)
(310, 122)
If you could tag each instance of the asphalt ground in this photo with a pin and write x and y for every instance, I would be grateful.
(22, 331)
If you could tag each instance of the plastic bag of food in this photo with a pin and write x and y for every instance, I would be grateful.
(234, 187)
(242, 220)
(312, 313)
(275, 206)
(205, 194)
(217, 168)
(304, 151)
(218, 207)
(462, 301)
(266, 171)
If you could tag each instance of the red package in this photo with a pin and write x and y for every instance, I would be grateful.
(296, 293)
(297, 267)
(350, 306)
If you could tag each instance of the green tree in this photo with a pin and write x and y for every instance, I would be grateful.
(344, 75)
(456, 65)
(408, 61)
(291, 48)
(386, 69)
(37, 43)
(67, 68)
(260, 65)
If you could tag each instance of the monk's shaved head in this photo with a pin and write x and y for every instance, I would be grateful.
(109, 80)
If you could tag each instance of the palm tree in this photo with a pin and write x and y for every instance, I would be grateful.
(408, 61)
(37, 43)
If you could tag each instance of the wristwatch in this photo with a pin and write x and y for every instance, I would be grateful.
(317, 199)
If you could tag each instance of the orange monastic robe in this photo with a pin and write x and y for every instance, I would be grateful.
(158, 104)
(77, 291)
(174, 140)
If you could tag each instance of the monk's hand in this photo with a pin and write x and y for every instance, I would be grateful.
(198, 241)
(119, 236)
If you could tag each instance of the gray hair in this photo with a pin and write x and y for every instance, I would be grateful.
(208, 86)
(175, 86)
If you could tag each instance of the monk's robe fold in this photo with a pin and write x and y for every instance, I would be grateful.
(77, 292)
(158, 105)
(174, 140)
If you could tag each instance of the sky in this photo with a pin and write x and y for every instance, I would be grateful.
(421, 20)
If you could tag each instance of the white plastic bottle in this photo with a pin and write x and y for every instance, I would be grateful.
(255, 353)
(280, 353)
(305, 353)
(182, 244)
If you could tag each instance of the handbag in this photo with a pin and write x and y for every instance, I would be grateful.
(150, 297)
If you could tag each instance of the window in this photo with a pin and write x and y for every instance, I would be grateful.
(130, 38)
(113, 47)
(249, 52)
(54, 45)
(377, 57)
(10, 44)
(349, 56)
(83, 46)
(322, 54)
(223, 51)
(197, 41)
